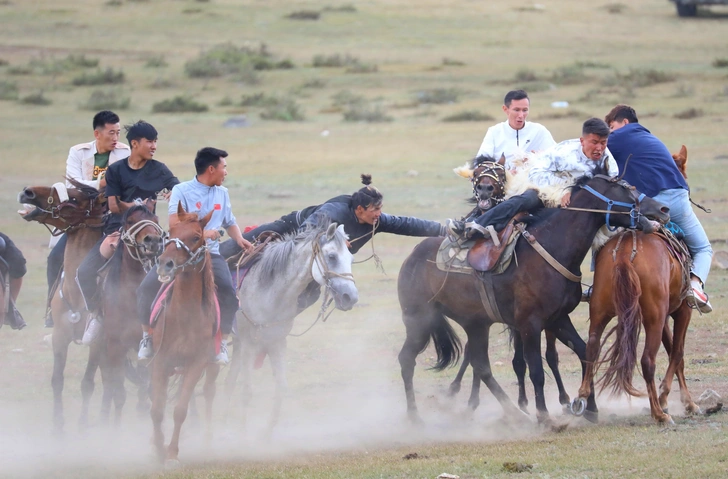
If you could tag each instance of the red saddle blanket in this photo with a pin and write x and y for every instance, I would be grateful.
(160, 303)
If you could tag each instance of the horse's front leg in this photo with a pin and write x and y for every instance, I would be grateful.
(277, 355)
(95, 353)
(519, 367)
(455, 384)
(531, 337)
(552, 359)
(190, 379)
(160, 380)
(62, 334)
(209, 390)
(599, 318)
(418, 326)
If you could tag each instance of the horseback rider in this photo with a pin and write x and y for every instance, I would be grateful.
(87, 164)
(652, 171)
(362, 217)
(202, 194)
(515, 136)
(13, 265)
(136, 178)
(550, 175)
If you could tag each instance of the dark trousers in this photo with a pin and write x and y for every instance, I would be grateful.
(55, 261)
(87, 275)
(150, 286)
(501, 214)
(283, 225)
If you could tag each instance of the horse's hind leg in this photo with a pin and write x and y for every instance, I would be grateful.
(61, 339)
(597, 325)
(234, 369)
(653, 319)
(209, 390)
(552, 359)
(277, 355)
(418, 335)
(519, 367)
(160, 380)
(191, 377)
(455, 384)
(682, 318)
(531, 337)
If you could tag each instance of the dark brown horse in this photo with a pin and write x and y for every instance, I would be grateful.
(531, 296)
(141, 243)
(640, 281)
(183, 336)
(78, 212)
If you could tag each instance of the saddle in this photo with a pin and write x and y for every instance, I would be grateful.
(487, 254)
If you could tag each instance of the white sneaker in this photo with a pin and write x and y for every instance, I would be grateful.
(698, 299)
(146, 351)
(222, 358)
(92, 332)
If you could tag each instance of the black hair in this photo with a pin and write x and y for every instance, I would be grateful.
(515, 95)
(208, 156)
(622, 112)
(139, 130)
(367, 196)
(105, 117)
(595, 126)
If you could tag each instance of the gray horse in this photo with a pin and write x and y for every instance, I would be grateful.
(268, 297)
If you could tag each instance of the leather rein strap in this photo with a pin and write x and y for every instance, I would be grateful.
(545, 255)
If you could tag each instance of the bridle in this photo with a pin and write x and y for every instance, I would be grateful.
(195, 256)
(634, 208)
(497, 173)
(55, 213)
(328, 275)
(138, 251)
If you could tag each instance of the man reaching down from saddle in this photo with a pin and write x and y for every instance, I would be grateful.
(12, 270)
(137, 178)
(202, 194)
(550, 176)
(652, 170)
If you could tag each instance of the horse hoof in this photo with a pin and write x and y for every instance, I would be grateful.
(171, 464)
(578, 406)
(592, 417)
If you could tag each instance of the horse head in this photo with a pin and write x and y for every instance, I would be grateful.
(623, 204)
(489, 181)
(186, 245)
(63, 208)
(141, 233)
(331, 266)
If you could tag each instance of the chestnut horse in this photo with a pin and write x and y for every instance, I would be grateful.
(79, 213)
(639, 280)
(183, 336)
(141, 243)
(531, 295)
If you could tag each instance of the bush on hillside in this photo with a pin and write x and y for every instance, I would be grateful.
(179, 104)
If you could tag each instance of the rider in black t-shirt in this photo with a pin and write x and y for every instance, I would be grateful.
(138, 177)
(12, 270)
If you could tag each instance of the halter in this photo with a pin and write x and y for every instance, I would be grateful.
(497, 173)
(194, 256)
(328, 276)
(55, 211)
(634, 208)
(138, 251)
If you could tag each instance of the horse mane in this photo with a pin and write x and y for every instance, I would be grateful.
(89, 191)
(276, 256)
(480, 159)
(599, 169)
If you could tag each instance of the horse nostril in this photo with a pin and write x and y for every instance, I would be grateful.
(490, 188)
(28, 193)
(169, 264)
(665, 210)
(346, 298)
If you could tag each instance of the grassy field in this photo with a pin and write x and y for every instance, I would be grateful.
(400, 68)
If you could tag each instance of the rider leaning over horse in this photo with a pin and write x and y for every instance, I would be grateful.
(550, 175)
(87, 164)
(137, 178)
(202, 194)
(362, 217)
(652, 170)
(12, 264)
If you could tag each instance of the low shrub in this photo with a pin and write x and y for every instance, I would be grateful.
(304, 15)
(452, 62)
(8, 90)
(228, 59)
(333, 61)
(36, 99)
(179, 104)
(468, 115)
(366, 113)
(157, 61)
(284, 109)
(438, 96)
(720, 63)
(362, 68)
(689, 114)
(106, 100)
(100, 77)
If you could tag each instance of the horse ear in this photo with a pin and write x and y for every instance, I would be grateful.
(206, 219)
(502, 160)
(681, 160)
(331, 232)
(180, 209)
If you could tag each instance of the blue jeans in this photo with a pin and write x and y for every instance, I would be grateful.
(681, 212)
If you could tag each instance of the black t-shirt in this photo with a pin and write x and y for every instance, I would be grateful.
(128, 184)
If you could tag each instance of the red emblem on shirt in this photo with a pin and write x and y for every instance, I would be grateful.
(218, 206)
(198, 205)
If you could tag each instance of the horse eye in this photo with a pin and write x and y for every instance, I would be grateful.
(196, 238)
(332, 257)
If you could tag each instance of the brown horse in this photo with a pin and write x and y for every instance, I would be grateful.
(141, 243)
(639, 280)
(184, 336)
(530, 296)
(79, 213)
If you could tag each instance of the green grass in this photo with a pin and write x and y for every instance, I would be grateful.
(344, 415)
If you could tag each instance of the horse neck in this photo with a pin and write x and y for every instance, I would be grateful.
(131, 269)
(193, 293)
(79, 242)
(571, 233)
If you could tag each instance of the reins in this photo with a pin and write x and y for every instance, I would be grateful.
(136, 250)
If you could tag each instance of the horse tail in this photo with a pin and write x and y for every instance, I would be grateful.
(447, 343)
(622, 354)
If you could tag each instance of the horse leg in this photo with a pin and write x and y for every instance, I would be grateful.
(531, 337)
(519, 367)
(480, 361)
(246, 368)
(95, 358)
(160, 380)
(116, 353)
(597, 325)
(552, 359)
(209, 390)
(653, 338)
(418, 334)
(234, 369)
(681, 318)
(277, 355)
(142, 372)
(61, 339)
(189, 381)
(455, 384)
